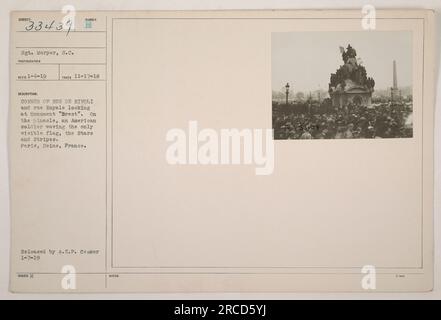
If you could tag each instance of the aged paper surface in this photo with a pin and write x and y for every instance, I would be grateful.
(125, 175)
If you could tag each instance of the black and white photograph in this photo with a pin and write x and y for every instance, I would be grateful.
(342, 85)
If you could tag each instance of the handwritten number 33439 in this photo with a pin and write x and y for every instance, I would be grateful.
(52, 25)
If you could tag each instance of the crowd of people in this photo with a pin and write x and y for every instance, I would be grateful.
(384, 120)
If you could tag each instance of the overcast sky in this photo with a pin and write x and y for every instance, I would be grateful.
(307, 59)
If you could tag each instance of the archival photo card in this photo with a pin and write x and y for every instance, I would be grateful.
(148, 151)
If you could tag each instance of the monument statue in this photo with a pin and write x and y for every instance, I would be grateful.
(350, 83)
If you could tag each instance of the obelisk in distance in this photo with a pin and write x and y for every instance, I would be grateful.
(395, 75)
(394, 90)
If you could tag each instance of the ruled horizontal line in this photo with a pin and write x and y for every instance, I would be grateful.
(60, 47)
(62, 80)
(217, 272)
(61, 63)
(58, 31)
(266, 18)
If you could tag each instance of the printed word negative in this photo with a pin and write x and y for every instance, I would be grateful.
(222, 147)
